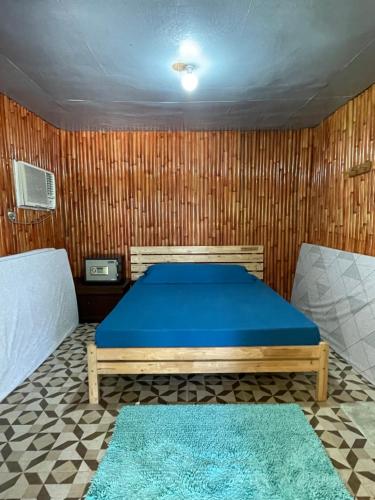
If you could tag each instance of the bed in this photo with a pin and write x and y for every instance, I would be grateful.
(184, 316)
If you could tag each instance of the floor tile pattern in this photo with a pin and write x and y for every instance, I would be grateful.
(51, 439)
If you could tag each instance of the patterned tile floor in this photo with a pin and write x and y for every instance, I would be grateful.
(51, 440)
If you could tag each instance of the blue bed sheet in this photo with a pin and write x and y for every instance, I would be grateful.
(176, 308)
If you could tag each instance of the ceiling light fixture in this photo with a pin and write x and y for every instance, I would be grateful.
(189, 79)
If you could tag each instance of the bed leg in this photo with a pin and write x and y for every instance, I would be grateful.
(93, 374)
(322, 374)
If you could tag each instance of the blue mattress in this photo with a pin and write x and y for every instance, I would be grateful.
(203, 305)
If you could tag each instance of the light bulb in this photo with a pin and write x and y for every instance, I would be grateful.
(189, 81)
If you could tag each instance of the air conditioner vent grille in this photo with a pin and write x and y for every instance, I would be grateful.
(50, 184)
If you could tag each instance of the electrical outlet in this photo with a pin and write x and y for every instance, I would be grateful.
(11, 215)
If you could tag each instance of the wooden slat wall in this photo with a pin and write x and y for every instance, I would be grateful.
(152, 188)
(26, 137)
(187, 188)
(121, 189)
(342, 210)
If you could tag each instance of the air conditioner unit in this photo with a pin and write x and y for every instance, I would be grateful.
(34, 187)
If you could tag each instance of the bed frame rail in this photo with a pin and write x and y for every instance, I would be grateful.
(164, 360)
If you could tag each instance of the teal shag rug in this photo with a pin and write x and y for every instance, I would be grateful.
(215, 452)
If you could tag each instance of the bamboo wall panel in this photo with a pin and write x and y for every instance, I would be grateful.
(341, 208)
(26, 137)
(126, 189)
(121, 189)
(150, 188)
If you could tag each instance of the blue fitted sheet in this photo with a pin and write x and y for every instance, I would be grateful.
(185, 305)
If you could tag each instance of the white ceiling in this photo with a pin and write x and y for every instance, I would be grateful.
(106, 64)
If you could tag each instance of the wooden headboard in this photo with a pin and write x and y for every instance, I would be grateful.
(250, 256)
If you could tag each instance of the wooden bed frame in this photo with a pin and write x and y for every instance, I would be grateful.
(173, 360)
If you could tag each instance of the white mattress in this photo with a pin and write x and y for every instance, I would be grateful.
(38, 309)
(336, 289)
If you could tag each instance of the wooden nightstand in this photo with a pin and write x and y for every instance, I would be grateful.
(95, 301)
